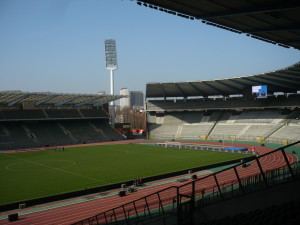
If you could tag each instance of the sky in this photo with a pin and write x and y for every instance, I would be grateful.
(58, 46)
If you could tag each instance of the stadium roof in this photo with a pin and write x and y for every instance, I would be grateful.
(15, 98)
(273, 21)
(285, 80)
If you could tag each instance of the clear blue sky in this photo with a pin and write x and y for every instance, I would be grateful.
(58, 46)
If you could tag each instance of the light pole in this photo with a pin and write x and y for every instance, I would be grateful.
(111, 65)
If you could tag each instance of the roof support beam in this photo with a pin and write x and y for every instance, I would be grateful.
(163, 90)
(218, 91)
(112, 98)
(285, 80)
(17, 100)
(228, 85)
(253, 82)
(45, 100)
(87, 101)
(238, 82)
(102, 103)
(294, 70)
(285, 74)
(261, 9)
(275, 29)
(197, 89)
(180, 90)
(268, 81)
(65, 101)
(294, 41)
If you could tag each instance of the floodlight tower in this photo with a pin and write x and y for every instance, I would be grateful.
(111, 65)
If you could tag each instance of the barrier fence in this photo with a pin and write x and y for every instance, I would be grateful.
(179, 201)
(228, 137)
(205, 147)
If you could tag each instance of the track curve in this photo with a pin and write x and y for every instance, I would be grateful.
(74, 212)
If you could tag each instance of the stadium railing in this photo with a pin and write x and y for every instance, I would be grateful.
(224, 184)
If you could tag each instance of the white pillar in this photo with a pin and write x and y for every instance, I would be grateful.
(112, 107)
(112, 84)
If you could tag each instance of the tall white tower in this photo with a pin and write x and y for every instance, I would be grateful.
(125, 101)
(111, 65)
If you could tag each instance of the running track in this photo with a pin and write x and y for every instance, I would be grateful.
(72, 213)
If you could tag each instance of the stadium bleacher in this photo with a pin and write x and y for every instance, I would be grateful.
(31, 120)
(168, 117)
(63, 113)
(228, 103)
(245, 124)
(107, 131)
(17, 114)
(93, 113)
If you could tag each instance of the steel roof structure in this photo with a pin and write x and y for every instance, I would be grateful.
(285, 80)
(16, 98)
(274, 21)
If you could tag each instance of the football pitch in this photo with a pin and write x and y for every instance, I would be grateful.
(33, 175)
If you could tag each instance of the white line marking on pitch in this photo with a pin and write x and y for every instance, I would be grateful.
(54, 168)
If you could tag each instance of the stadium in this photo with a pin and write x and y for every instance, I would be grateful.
(221, 151)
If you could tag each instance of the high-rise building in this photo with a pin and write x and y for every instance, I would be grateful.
(125, 101)
(134, 99)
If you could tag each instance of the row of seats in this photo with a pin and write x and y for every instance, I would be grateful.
(16, 135)
(51, 113)
(225, 124)
(247, 116)
(201, 103)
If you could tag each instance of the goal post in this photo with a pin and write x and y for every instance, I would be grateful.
(172, 144)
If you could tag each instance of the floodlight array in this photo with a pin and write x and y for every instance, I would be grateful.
(111, 54)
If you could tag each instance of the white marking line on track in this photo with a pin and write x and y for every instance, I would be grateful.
(61, 170)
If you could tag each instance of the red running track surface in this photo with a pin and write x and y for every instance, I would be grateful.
(75, 212)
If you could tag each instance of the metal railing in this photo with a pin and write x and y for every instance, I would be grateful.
(240, 179)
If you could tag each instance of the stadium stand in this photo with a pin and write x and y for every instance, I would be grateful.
(186, 115)
(90, 113)
(238, 121)
(170, 104)
(191, 110)
(32, 120)
(63, 113)
(15, 135)
(274, 118)
(19, 115)
(228, 103)
(108, 133)
(244, 125)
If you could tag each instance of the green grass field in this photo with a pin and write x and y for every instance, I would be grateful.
(37, 174)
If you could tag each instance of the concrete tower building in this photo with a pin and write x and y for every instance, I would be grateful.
(134, 99)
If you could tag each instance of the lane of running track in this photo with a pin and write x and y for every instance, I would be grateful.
(72, 213)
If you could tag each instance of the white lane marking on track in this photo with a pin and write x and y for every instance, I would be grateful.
(61, 170)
